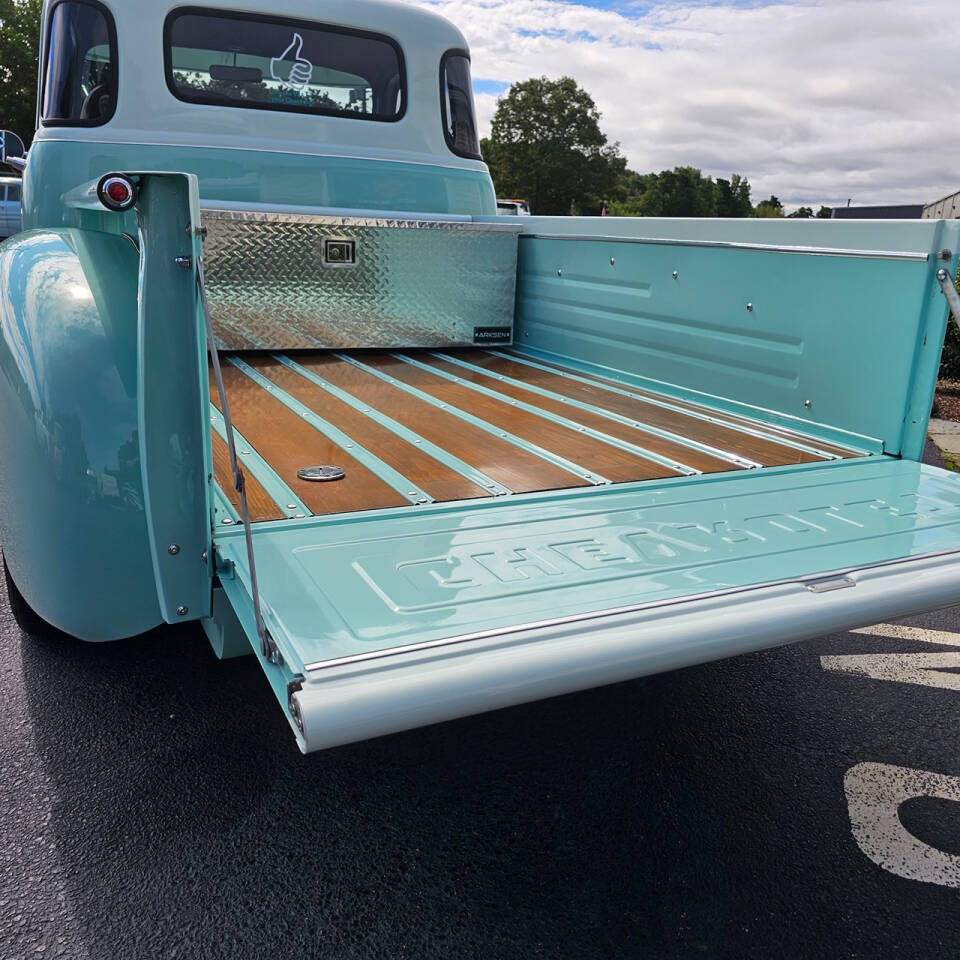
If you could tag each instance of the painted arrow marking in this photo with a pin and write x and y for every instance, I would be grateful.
(875, 792)
(923, 669)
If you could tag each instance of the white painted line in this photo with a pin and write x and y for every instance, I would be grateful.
(875, 792)
(896, 631)
(925, 669)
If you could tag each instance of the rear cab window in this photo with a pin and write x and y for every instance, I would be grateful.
(80, 72)
(272, 63)
(456, 103)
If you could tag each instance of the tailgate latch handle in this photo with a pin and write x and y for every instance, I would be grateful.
(827, 584)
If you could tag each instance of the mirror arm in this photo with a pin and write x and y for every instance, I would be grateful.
(17, 163)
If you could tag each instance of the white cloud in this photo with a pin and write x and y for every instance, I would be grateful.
(815, 102)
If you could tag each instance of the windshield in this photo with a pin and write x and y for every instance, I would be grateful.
(241, 60)
(80, 82)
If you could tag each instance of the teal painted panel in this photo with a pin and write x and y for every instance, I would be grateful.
(340, 588)
(843, 342)
(174, 427)
(72, 519)
(253, 177)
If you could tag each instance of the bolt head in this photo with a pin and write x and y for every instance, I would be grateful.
(749, 308)
(675, 274)
(941, 274)
(613, 261)
(807, 404)
(173, 549)
(182, 611)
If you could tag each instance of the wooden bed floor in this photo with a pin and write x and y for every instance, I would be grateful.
(420, 427)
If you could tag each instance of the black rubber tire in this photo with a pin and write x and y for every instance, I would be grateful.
(28, 620)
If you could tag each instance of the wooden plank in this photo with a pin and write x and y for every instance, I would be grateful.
(288, 443)
(765, 452)
(259, 502)
(432, 476)
(512, 466)
(702, 408)
(705, 462)
(595, 456)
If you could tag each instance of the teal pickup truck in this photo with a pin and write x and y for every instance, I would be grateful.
(270, 361)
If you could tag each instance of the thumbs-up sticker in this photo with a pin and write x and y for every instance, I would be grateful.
(301, 71)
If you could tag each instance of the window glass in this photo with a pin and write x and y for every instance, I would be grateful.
(80, 81)
(456, 95)
(251, 61)
(13, 193)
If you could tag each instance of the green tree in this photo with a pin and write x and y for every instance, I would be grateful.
(547, 147)
(733, 197)
(802, 213)
(824, 213)
(19, 46)
(769, 208)
(681, 192)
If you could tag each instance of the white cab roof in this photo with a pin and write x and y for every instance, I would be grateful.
(148, 113)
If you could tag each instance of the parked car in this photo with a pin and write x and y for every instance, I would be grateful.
(272, 363)
(513, 208)
(9, 206)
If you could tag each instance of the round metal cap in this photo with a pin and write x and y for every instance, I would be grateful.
(322, 473)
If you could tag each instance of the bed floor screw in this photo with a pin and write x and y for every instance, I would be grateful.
(173, 549)
(182, 611)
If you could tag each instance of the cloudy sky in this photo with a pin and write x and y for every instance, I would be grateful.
(812, 101)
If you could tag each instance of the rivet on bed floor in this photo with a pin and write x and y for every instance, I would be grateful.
(321, 474)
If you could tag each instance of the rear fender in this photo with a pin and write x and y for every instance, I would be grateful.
(72, 518)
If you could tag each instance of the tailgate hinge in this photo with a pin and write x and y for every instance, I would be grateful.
(268, 647)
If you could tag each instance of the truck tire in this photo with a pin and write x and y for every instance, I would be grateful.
(25, 616)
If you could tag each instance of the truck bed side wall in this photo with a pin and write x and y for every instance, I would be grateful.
(850, 340)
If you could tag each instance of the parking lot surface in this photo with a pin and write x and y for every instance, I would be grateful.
(153, 804)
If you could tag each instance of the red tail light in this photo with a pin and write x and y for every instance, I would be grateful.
(117, 192)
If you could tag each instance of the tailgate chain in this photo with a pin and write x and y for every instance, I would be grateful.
(268, 647)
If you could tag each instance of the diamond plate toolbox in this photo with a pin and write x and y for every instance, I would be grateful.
(287, 281)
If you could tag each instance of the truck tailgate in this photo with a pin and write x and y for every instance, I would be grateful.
(386, 622)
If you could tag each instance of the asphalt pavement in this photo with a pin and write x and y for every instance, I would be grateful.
(153, 804)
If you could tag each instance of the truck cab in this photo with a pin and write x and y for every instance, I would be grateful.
(270, 362)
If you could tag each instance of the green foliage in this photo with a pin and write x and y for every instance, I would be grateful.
(681, 192)
(19, 46)
(801, 213)
(825, 213)
(546, 146)
(950, 358)
(769, 208)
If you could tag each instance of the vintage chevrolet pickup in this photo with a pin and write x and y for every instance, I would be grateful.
(271, 362)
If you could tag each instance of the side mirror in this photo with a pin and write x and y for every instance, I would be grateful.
(12, 151)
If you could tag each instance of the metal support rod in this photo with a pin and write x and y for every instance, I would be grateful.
(950, 292)
(268, 647)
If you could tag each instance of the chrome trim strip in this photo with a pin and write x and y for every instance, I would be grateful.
(575, 468)
(733, 245)
(803, 581)
(625, 445)
(715, 418)
(427, 446)
(676, 438)
(384, 471)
